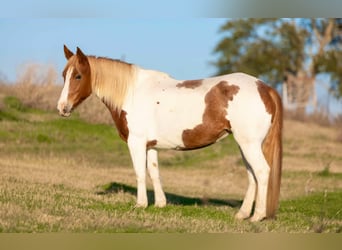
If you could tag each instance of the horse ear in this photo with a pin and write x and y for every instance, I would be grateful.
(67, 52)
(82, 58)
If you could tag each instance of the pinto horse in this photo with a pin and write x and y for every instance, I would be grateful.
(153, 111)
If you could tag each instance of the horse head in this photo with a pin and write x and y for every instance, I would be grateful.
(77, 81)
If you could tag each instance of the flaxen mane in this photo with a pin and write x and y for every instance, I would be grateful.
(111, 80)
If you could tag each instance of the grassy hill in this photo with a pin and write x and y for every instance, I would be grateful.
(70, 175)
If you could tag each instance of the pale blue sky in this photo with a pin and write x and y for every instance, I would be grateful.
(166, 9)
(181, 47)
(109, 8)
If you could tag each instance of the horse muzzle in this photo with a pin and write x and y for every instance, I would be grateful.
(64, 109)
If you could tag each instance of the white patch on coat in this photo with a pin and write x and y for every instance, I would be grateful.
(247, 102)
(63, 99)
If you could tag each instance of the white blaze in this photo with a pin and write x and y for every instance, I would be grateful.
(63, 99)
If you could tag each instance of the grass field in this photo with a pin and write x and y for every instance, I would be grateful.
(69, 175)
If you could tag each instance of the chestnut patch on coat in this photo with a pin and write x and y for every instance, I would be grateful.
(151, 144)
(120, 123)
(264, 92)
(214, 121)
(190, 84)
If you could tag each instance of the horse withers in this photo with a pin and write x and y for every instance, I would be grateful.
(153, 111)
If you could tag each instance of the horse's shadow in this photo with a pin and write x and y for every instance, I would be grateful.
(173, 199)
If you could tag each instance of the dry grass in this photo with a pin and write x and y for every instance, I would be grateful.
(39, 181)
(42, 194)
(37, 87)
(308, 146)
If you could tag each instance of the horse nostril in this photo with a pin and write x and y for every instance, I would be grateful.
(65, 109)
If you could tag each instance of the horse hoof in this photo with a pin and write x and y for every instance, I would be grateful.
(256, 218)
(241, 216)
(160, 204)
(140, 205)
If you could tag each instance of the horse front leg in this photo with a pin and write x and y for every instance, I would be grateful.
(137, 149)
(152, 166)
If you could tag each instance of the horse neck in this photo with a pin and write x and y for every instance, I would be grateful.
(112, 80)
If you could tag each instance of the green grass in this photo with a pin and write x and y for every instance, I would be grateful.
(56, 135)
(319, 212)
(70, 210)
(45, 159)
(14, 103)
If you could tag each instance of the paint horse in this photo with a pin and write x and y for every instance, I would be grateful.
(153, 111)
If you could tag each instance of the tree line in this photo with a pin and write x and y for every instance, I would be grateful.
(291, 51)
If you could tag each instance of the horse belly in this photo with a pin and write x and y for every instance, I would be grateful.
(173, 118)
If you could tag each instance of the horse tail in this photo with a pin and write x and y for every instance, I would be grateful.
(272, 149)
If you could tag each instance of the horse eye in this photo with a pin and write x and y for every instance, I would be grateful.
(78, 77)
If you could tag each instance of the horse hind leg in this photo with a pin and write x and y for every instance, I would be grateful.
(252, 151)
(152, 166)
(247, 204)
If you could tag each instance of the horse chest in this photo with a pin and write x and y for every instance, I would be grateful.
(120, 121)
